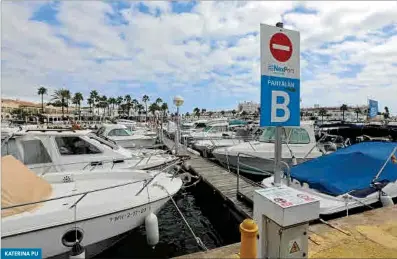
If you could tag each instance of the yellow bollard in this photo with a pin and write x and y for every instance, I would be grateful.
(249, 233)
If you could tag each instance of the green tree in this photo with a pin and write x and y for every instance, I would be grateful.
(357, 111)
(233, 112)
(210, 114)
(90, 103)
(112, 101)
(196, 112)
(164, 108)
(159, 100)
(343, 108)
(223, 113)
(154, 107)
(61, 96)
(77, 98)
(42, 91)
(145, 99)
(128, 103)
(386, 115)
(322, 113)
(94, 96)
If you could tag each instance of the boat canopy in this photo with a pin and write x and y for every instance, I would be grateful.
(349, 169)
(20, 185)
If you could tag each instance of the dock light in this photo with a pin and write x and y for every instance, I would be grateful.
(178, 101)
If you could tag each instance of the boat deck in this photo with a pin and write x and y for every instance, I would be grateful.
(371, 234)
(221, 181)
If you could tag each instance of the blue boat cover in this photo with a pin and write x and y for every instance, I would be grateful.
(348, 169)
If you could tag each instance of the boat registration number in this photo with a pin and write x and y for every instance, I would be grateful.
(129, 214)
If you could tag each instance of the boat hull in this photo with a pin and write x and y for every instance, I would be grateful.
(98, 233)
(251, 165)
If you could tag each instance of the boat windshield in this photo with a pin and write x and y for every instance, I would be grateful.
(208, 128)
(120, 132)
(290, 135)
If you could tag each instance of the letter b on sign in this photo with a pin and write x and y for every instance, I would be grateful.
(280, 106)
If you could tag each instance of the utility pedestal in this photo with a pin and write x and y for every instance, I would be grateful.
(283, 214)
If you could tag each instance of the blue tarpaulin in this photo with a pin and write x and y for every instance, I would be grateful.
(348, 169)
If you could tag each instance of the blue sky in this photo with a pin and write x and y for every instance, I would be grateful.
(207, 52)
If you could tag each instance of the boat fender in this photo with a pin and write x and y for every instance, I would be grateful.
(77, 252)
(294, 162)
(152, 229)
(386, 200)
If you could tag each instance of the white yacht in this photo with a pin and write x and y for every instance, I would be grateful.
(65, 150)
(215, 130)
(355, 176)
(126, 138)
(255, 157)
(96, 209)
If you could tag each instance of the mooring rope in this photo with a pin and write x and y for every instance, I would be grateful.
(198, 240)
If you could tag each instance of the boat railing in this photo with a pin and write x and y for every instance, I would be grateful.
(94, 164)
(240, 194)
(384, 165)
(73, 195)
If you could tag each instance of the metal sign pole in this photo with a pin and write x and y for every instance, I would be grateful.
(277, 156)
(177, 131)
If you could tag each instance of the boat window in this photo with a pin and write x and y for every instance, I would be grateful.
(207, 129)
(34, 152)
(10, 148)
(120, 132)
(299, 136)
(269, 134)
(75, 146)
(201, 125)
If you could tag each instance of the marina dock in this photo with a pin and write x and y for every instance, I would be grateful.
(221, 181)
(371, 234)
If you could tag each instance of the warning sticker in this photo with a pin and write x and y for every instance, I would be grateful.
(286, 197)
(294, 246)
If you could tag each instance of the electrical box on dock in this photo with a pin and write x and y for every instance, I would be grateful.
(283, 216)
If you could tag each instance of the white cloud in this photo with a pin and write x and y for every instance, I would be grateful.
(152, 49)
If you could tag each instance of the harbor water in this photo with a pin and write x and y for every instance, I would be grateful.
(175, 237)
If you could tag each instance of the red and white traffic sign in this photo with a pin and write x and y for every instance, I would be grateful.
(280, 47)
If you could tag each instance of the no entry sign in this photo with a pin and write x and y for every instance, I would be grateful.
(280, 76)
(281, 47)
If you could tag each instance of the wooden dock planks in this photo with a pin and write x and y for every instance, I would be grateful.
(220, 179)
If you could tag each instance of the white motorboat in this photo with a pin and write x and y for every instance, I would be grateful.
(356, 176)
(206, 146)
(256, 157)
(65, 150)
(125, 137)
(212, 131)
(95, 208)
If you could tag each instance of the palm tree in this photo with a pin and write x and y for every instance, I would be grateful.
(140, 108)
(77, 98)
(159, 100)
(322, 113)
(164, 108)
(94, 98)
(210, 114)
(145, 99)
(233, 112)
(42, 91)
(187, 114)
(90, 103)
(357, 111)
(386, 115)
(135, 104)
(119, 101)
(127, 100)
(343, 108)
(103, 103)
(223, 113)
(196, 112)
(154, 107)
(61, 96)
(112, 101)
(68, 96)
(203, 110)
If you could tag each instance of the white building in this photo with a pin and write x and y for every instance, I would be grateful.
(248, 107)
